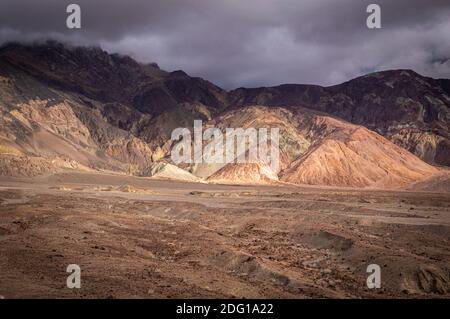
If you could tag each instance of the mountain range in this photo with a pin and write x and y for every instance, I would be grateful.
(82, 108)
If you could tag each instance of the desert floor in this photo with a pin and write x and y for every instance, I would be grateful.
(142, 238)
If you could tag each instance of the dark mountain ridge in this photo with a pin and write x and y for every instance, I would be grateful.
(122, 112)
(409, 109)
(94, 73)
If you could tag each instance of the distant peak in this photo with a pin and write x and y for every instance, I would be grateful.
(154, 65)
(178, 73)
(391, 73)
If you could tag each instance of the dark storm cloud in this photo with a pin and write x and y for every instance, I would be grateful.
(250, 42)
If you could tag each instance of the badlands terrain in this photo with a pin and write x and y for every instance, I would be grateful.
(83, 108)
(86, 178)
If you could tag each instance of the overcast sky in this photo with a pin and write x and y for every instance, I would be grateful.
(250, 43)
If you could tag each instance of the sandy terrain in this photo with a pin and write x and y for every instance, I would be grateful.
(138, 237)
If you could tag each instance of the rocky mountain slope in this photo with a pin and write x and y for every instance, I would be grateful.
(411, 110)
(73, 107)
(319, 149)
(101, 110)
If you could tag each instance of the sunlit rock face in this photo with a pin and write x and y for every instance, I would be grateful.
(411, 110)
(82, 108)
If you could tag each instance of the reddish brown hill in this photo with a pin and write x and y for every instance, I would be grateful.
(82, 107)
(332, 151)
(239, 173)
(410, 110)
(358, 158)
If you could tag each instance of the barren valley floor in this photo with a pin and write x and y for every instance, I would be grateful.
(144, 238)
